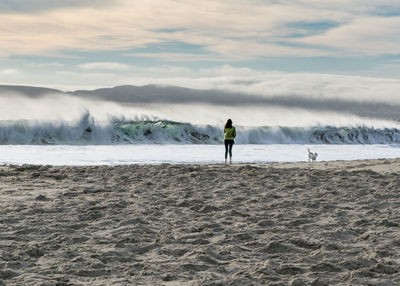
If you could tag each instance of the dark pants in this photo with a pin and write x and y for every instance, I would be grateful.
(228, 147)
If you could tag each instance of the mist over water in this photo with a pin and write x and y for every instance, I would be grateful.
(168, 114)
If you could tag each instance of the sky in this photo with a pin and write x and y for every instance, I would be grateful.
(86, 44)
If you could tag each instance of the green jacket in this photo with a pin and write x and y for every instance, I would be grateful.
(230, 133)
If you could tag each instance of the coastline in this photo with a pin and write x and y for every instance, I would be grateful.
(323, 223)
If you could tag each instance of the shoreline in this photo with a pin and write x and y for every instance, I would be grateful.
(323, 223)
(377, 165)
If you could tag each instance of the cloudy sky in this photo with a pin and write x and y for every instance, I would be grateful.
(72, 44)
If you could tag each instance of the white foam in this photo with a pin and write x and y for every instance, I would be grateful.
(203, 154)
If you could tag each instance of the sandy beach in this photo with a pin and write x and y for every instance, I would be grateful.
(324, 223)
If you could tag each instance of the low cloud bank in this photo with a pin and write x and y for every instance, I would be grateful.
(242, 92)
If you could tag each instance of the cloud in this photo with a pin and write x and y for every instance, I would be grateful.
(225, 89)
(372, 36)
(229, 31)
(23, 6)
(241, 80)
(227, 85)
(47, 65)
(180, 57)
(166, 96)
(104, 66)
(237, 29)
(224, 78)
(9, 71)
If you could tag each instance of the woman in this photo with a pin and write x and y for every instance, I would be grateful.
(230, 134)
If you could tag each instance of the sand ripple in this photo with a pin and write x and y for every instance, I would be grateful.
(277, 224)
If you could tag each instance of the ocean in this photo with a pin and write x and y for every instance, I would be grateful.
(92, 155)
(163, 124)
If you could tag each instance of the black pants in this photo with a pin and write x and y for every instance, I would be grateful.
(228, 147)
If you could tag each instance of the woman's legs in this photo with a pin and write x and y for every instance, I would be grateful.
(230, 151)
(228, 148)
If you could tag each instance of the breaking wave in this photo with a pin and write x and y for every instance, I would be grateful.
(88, 132)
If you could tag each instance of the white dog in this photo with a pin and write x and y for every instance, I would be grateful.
(312, 156)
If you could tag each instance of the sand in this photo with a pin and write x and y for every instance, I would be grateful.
(324, 223)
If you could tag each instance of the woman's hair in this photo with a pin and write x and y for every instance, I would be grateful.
(228, 123)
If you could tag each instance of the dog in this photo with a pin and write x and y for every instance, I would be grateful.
(312, 156)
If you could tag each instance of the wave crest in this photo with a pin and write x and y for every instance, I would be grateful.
(88, 132)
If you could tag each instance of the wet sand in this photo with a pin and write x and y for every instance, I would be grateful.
(324, 223)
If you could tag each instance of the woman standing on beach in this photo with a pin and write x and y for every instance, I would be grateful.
(230, 134)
